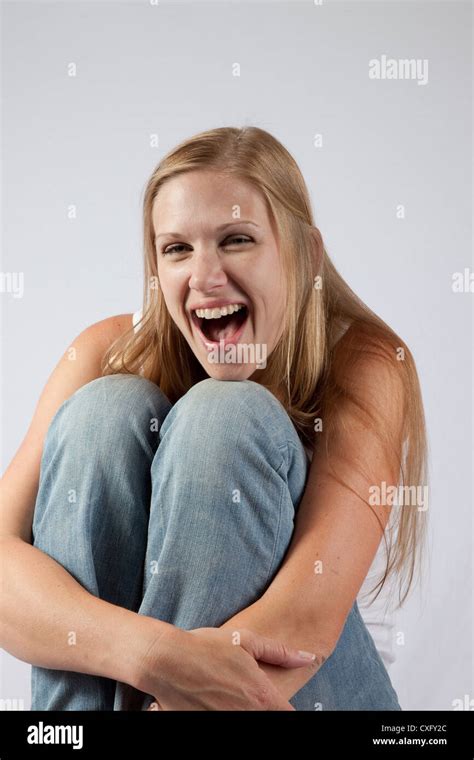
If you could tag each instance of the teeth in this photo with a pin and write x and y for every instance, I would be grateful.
(218, 312)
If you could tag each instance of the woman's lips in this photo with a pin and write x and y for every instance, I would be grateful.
(230, 340)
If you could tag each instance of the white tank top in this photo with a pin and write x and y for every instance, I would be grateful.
(379, 616)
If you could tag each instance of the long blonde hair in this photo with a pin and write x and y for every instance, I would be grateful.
(306, 358)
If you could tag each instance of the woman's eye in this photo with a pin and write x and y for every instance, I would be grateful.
(240, 237)
(243, 238)
(172, 248)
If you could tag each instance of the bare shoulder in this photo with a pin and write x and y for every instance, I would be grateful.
(104, 332)
(82, 359)
(367, 352)
(80, 363)
(365, 409)
(367, 368)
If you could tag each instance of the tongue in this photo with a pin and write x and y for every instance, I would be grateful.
(220, 329)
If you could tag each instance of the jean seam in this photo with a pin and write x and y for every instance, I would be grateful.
(278, 530)
(275, 544)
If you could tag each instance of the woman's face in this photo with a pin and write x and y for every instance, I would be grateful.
(216, 248)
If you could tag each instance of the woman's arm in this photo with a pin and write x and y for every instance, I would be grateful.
(336, 532)
(48, 619)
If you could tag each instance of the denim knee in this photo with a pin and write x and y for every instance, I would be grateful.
(230, 413)
(100, 412)
(237, 394)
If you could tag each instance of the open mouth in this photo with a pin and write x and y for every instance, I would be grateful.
(221, 328)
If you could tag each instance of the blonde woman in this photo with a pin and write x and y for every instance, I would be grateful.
(200, 496)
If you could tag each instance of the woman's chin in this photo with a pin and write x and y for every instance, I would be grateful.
(220, 361)
(228, 371)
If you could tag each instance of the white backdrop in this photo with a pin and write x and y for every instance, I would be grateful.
(144, 71)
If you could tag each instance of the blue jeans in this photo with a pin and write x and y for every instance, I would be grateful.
(184, 513)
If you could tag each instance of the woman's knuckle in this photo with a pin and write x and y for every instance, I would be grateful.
(262, 697)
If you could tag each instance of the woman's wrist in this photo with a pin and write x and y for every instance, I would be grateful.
(144, 665)
(129, 647)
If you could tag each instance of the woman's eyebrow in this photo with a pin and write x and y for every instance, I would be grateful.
(218, 229)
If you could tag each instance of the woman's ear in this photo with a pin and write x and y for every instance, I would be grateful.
(318, 248)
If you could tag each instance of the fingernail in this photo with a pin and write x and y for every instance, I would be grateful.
(306, 655)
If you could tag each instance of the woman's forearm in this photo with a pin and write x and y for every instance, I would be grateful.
(292, 627)
(48, 619)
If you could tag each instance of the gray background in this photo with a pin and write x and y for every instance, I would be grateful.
(167, 70)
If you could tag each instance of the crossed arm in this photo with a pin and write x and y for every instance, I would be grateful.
(336, 533)
(304, 609)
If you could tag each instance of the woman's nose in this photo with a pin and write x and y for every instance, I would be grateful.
(206, 270)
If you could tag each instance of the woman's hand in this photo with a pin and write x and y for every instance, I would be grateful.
(216, 669)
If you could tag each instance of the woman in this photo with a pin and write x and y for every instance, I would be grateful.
(183, 551)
